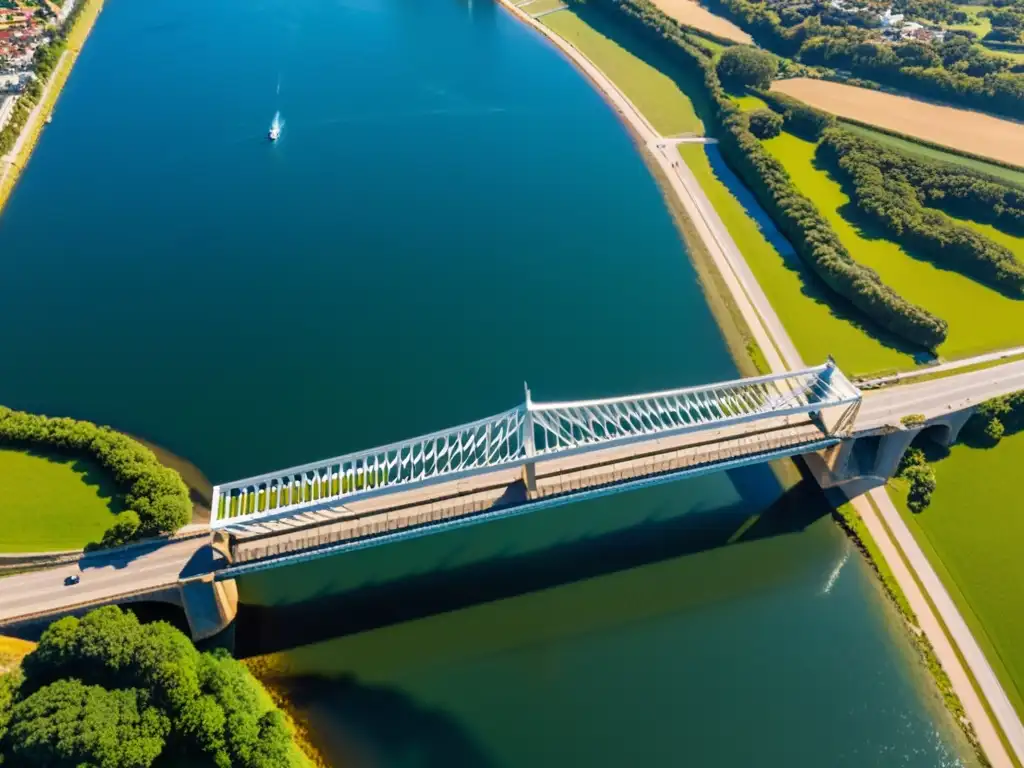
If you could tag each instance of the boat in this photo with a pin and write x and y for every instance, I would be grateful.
(275, 132)
(49, 118)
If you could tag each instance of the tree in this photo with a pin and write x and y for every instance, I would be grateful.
(741, 66)
(107, 680)
(765, 124)
(68, 724)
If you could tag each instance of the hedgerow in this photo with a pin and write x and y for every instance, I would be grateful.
(156, 497)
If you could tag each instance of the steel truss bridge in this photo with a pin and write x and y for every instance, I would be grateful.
(537, 451)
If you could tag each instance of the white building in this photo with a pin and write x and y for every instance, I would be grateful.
(6, 108)
(890, 19)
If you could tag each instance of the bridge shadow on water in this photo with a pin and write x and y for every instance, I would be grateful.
(262, 629)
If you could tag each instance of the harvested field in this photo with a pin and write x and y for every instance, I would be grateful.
(958, 128)
(693, 15)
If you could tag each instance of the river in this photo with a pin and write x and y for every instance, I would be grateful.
(451, 210)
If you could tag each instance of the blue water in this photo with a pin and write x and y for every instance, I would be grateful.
(450, 210)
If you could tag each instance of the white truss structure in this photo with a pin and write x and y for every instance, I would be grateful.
(525, 434)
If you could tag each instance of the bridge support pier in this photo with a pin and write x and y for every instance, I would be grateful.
(210, 606)
(530, 478)
(838, 464)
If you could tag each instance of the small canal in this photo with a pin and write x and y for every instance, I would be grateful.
(451, 210)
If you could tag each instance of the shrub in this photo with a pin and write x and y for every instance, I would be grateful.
(994, 430)
(797, 217)
(800, 119)
(157, 497)
(892, 189)
(742, 66)
(912, 420)
(922, 485)
(108, 691)
(765, 124)
(913, 457)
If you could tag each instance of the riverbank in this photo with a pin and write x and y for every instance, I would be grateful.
(19, 156)
(687, 198)
(780, 354)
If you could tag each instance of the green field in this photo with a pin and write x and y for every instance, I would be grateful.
(53, 502)
(748, 102)
(539, 6)
(979, 25)
(659, 96)
(928, 153)
(971, 534)
(792, 290)
(980, 319)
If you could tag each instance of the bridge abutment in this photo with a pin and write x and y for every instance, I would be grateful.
(846, 462)
(210, 605)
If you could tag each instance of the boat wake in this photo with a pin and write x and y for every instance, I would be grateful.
(835, 573)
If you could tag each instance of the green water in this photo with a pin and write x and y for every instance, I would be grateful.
(451, 210)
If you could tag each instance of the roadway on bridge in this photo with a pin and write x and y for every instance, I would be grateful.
(104, 577)
(938, 396)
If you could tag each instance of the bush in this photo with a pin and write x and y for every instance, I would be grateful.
(892, 189)
(912, 457)
(108, 691)
(922, 485)
(765, 124)
(912, 420)
(800, 119)
(742, 66)
(954, 71)
(796, 216)
(157, 497)
(994, 430)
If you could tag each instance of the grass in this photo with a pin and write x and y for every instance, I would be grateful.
(1016, 56)
(638, 72)
(12, 650)
(980, 25)
(53, 502)
(793, 291)
(748, 102)
(712, 45)
(930, 153)
(539, 6)
(971, 534)
(980, 319)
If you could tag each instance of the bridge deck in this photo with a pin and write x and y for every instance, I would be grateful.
(504, 488)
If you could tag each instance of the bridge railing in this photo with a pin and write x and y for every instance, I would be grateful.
(522, 435)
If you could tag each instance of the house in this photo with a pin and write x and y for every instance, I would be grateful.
(890, 19)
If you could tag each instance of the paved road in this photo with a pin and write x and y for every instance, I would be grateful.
(34, 116)
(943, 367)
(781, 353)
(103, 577)
(938, 396)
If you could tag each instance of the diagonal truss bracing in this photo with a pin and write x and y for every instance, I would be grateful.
(524, 434)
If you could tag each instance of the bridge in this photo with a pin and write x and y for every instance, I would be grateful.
(532, 457)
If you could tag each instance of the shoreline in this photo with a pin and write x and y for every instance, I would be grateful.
(926, 633)
(33, 128)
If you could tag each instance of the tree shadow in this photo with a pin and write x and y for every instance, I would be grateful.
(360, 724)
(326, 614)
(666, 59)
(90, 472)
(870, 230)
(811, 286)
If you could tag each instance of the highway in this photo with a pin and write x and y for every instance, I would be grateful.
(104, 577)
